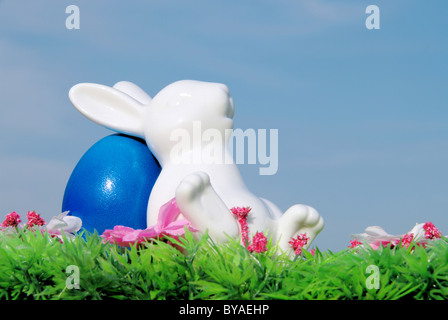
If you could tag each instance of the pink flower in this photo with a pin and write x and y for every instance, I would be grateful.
(12, 220)
(259, 243)
(241, 213)
(123, 236)
(407, 239)
(166, 225)
(354, 243)
(431, 232)
(313, 252)
(299, 242)
(384, 243)
(259, 240)
(34, 219)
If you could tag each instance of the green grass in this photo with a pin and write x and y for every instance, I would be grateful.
(33, 266)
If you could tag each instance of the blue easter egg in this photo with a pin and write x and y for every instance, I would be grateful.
(111, 184)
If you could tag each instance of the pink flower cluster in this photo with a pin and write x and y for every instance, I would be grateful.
(299, 242)
(168, 224)
(431, 232)
(259, 243)
(354, 243)
(376, 237)
(259, 240)
(407, 239)
(13, 220)
(241, 213)
(34, 219)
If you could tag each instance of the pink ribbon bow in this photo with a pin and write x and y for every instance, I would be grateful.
(166, 225)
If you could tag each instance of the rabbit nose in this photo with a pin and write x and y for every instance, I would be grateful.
(224, 87)
(230, 108)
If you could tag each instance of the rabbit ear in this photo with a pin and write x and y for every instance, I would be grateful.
(109, 107)
(134, 91)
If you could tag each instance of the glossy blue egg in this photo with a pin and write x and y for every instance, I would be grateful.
(111, 184)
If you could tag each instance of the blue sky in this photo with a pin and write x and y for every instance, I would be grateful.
(361, 114)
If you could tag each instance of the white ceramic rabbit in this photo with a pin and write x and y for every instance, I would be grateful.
(204, 190)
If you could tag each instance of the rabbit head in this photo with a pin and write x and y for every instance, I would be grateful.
(127, 109)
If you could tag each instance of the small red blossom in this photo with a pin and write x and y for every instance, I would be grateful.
(259, 243)
(431, 232)
(313, 252)
(241, 213)
(34, 219)
(390, 243)
(12, 220)
(299, 242)
(407, 239)
(354, 243)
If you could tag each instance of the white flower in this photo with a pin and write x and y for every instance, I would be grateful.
(418, 231)
(63, 223)
(376, 236)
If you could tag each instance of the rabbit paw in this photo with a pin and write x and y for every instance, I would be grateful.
(201, 205)
(296, 220)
